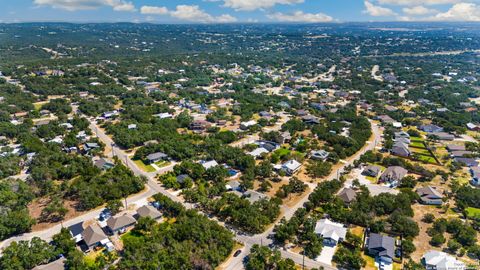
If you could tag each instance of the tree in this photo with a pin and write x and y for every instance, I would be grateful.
(407, 247)
(428, 218)
(453, 246)
(27, 254)
(54, 211)
(262, 258)
(437, 240)
(114, 206)
(349, 258)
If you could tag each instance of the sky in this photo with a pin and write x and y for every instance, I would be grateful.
(237, 11)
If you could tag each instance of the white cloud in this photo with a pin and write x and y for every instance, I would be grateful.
(73, 5)
(300, 16)
(460, 12)
(377, 11)
(190, 13)
(418, 10)
(153, 10)
(417, 2)
(249, 5)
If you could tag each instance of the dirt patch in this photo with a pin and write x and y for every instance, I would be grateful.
(35, 209)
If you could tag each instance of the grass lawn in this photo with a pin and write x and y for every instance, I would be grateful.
(397, 266)
(417, 139)
(357, 230)
(427, 159)
(417, 144)
(38, 105)
(371, 179)
(89, 259)
(162, 163)
(370, 262)
(143, 166)
(420, 151)
(473, 212)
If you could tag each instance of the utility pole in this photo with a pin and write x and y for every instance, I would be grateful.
(303, 260)
(126, 205)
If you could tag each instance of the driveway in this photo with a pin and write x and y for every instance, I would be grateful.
(373, 188)
(326, 255)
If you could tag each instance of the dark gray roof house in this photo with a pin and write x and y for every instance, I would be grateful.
(400, 149)
(430, 128)
(381, 246)
(393, 174)
(443, 136)
(154, 157)
(347, 195)
(182, 177)
(429, 195)
(469, 162)
(455, 147)
(371, 170)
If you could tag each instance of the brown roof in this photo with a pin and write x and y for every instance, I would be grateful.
(347, 195)
(116, 223)
(55, 265)
(93, 234)
(148, 211)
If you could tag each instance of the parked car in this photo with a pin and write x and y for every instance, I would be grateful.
(237, 253)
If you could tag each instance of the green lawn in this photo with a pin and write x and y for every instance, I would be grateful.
(428, 159)
(162, 163)
(143, 166)
(417, 144)
(371, 179)
(473, 212)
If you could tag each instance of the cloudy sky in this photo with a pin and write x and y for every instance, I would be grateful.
(228, 11)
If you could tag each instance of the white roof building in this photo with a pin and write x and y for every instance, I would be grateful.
(209, 164)
(331, 230)
(291, 166)
(258, 152)
(437, 260)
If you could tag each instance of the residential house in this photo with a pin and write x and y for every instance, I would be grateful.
(58, 264)
(87, 147)
(290, 167)
(209, 164)
(269, 146)
(182, 178)
(442, 136)
(347, 195)
(455, 147)
(76, 230)
(400, 149)
(472, 126)
(233, 185)
(393, 175)
(332, 232)
(155, 157)
(385, 119)
(371, 170)
(460, 153)
(248, 124)
(382, 247)
(258, 152)
(200, 125)
(254, 196)
(430, 128)
(429, 195)
(311, 120)
(319, 154)
(103, 164)
(437, 260)
(469, 162)
(148, 211)
(94, 236)
(120, 224)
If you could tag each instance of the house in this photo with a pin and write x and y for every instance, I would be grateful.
(400, 149)
(233, 185)
(437, 260)
(393, 175)
(430, 128)
(258, 152)
(385, 119)
(90, 146)
(455, 147)
(269, 146)
(199, 125)
(103, 164)
(475, 171)
(402, 134)
(382, 247)
(55, 265)
(442, 136)
(93, 236)
(182, 177)
(311, 120)
(460, 153)
(429, 195)
(76, 231)
(347, 195)
(331, 232)
(108, 115)
(286, 137)
(469, 162)
(155, 157)
(472, 126)
(120, 224)
(132, 126)
(290, 167)
(148, 211)
(164, 115)
(254, 196)
(248, 124)
(371, 170)
(319, 154)
(209, 164)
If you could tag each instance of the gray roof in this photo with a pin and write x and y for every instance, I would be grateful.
(148, 211)
(156, 156)
(455, 147)
(393, 173)
(55, 265)
(372, 169)
(385, 245)
(116, 223)
(347, 195)
(429, 193)
(93, 234)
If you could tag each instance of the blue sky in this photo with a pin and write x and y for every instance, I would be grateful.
(229, 11)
